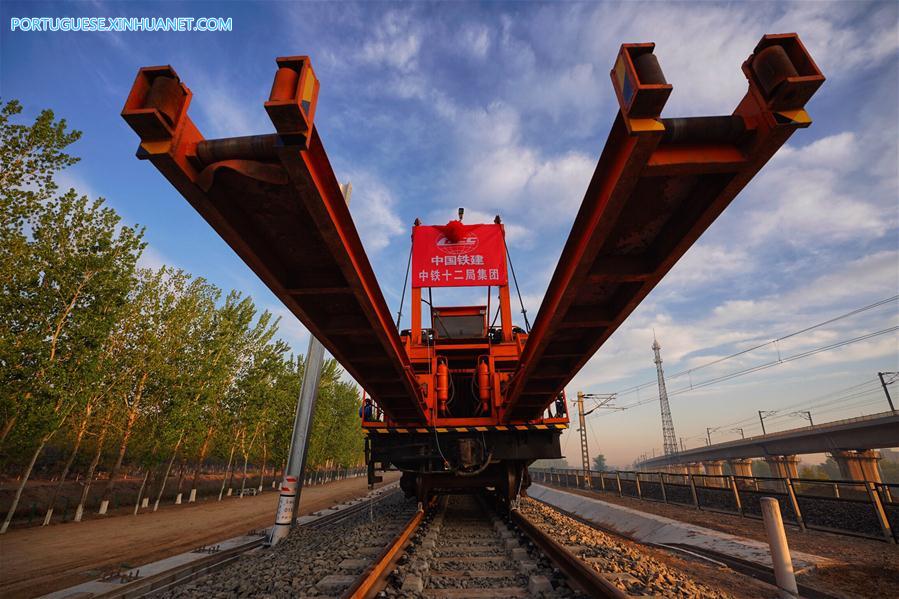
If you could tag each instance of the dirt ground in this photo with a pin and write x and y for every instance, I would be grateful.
(36, 561)
(867, 567)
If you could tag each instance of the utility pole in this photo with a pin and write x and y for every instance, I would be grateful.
(603, 399)
(708, 434)
(762, 414)
(292, 483)
(669, 439)
(682, 444)
(742, 436)
(807, 415)
(585, 451)
(885, 390)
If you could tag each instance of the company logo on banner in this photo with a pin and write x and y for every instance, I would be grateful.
(457, 255)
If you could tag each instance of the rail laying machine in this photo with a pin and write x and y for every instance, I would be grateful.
(471, 399)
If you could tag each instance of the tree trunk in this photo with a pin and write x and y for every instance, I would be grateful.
(201, 457)
(180, 481)
(65, 471)
(7, 426)
(262, 470)
(225, 477)
(243, 482)
(114, 472)
(88, 479)
(25, 475)
(140, 492)
(168, 469)
(123, 446)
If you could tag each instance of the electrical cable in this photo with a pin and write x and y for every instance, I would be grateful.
(765, 366)
(669, 377)
(524, 313)
(399, 314)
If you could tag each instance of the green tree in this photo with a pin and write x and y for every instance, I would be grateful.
(760, 468)
(336, 436)
(814, 472)
(30, 156)
(73, 279)
(599, 463)
(831, 469)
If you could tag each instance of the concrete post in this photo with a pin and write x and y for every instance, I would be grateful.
(881, 514)
(791, 495)
(637, 479)
(780, 550)
(693, 492)
(733, 486)
(741, 467)
(694, 468)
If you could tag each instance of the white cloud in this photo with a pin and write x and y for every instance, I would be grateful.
(705, 263)
(813, 194)
(395, 42)
(153, 259)
(290, 329)
(500, 171)
(374, 211)
(475, 39)
(225, 114)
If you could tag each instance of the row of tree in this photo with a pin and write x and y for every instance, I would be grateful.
(116, 367)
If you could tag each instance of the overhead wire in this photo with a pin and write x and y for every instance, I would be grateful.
(765, 366)
(688, 371)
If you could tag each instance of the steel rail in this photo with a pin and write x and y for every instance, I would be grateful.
(369, 583)
(577, 571)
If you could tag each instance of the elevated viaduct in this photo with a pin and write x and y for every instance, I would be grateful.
(853, 443)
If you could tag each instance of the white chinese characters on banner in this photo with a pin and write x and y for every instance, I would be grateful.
(458, 255)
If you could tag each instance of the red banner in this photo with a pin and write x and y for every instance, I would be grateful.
(457, 255)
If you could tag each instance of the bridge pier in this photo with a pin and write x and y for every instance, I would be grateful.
(694, 468)
(858, 465)
(741, 466)
(783, 466)
(715, 468)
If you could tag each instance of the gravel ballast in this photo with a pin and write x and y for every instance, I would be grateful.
(620, 562)
(311, 561)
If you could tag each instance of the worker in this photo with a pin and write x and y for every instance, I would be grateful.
(560, 405)
(366, 411)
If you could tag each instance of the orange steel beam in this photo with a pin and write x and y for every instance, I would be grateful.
(659, 184)
(276, 201)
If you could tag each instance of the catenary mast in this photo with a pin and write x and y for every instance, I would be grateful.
(669, 438)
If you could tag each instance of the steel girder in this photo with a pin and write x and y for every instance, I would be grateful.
(658, 185)
(276, 201)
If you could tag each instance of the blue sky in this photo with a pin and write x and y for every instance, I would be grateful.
(504, 108)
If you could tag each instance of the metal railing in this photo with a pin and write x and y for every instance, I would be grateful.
(859, 508)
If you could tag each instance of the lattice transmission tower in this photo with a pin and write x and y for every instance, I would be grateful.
(668, 437)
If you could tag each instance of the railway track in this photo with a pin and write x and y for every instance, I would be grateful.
(465, 549)
(459, 546)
